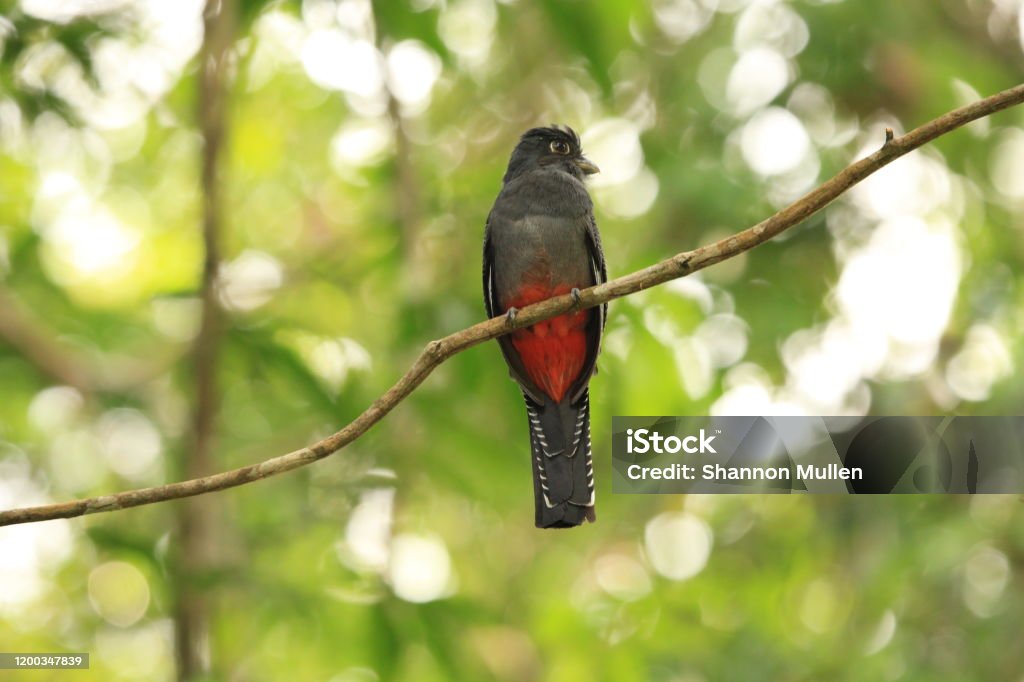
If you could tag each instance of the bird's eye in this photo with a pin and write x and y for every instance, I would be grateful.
(560, 147)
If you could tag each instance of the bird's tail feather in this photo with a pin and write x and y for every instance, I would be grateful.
(563, 469)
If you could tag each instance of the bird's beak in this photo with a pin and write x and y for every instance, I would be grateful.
(586, 165)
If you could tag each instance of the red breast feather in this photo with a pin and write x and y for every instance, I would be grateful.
(552, 351)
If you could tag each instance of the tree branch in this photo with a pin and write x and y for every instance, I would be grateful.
(21, 331)
(438, 351)
(38, 345)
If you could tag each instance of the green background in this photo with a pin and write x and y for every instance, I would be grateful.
(354, 208)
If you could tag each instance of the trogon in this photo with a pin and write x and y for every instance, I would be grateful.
(541, 240)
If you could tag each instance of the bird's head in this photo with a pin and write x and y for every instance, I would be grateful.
(555, 147)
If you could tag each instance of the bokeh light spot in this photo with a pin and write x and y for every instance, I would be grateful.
(118, 592)
(420, 570)
(774, 141)
(677, 544)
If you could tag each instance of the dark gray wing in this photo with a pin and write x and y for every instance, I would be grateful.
(494, 309)
(490, 302)
(596, 325)
(597, 258)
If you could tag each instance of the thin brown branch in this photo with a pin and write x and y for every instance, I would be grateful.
(37, 344)
(438, 351)
(20, 330)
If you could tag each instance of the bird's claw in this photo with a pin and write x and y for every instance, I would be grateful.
(510, 316)
(575, 294)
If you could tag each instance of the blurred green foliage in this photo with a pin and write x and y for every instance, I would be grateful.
(411, 554)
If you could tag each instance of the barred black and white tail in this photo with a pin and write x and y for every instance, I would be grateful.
(563, 467)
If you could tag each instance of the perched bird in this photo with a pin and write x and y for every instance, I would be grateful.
(541, 241)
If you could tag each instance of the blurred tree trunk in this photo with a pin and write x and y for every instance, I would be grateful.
(199, 518)
(405, 183)
(405, 186)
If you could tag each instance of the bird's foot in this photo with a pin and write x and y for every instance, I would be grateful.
(510, 316)
(575, 294)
